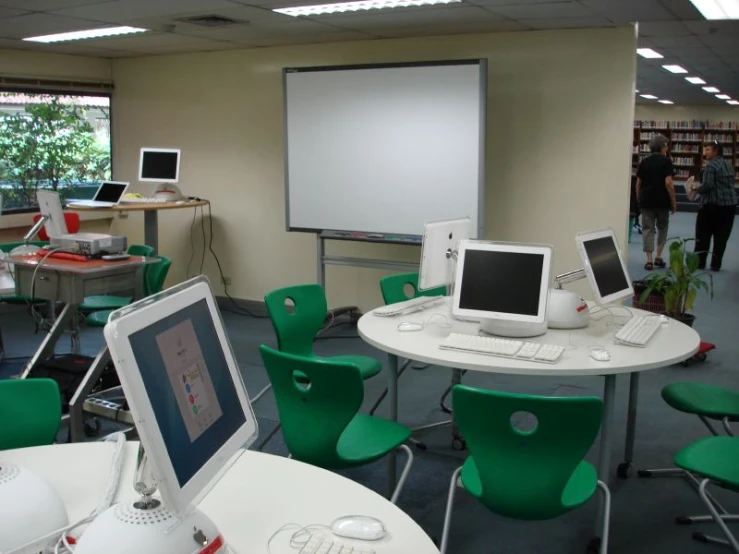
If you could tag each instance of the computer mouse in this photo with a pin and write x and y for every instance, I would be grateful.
(407, 326)
(364, 528)
(600, 354)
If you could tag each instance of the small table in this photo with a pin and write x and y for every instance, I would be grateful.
(673, 342)
(259, 494)
(150, 209)
(68, 281)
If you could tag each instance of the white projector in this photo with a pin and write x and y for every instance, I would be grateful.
(90, 244)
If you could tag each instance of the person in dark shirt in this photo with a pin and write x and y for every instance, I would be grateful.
(718, 206)
(656, 194)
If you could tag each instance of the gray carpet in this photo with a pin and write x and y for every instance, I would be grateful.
(643, 510)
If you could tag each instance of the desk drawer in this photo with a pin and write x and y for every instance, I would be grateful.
(122, 283)
(47, 286)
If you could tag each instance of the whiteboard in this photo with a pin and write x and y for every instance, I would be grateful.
(384, 148)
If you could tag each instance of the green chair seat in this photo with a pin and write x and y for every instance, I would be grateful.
(15, 298)
(713, 457)
(703, 399)
(368, 367)
(366, 439)
(98, 319)
(104, 302)
(30, 412)
(393, 288)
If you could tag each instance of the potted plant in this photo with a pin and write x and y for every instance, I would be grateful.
(679, 283)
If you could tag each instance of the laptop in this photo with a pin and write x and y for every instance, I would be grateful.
(108, 195)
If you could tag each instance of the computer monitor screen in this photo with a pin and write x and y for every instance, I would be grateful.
(502, 281)
(604, 266)
(110, 191)
(440, 237)
(183, 387)
(159, 165)
(50, 205)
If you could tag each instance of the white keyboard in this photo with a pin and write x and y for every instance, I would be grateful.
(504, 348)
(408, 306)
(638, 330)
(318, 544)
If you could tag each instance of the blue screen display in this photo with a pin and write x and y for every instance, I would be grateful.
(189, 385)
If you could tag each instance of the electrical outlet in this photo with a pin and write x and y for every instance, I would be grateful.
(226, 281)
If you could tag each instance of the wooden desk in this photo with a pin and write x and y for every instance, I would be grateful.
(150, 209)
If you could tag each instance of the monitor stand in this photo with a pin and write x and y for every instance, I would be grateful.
(512, 329)
(167, 192)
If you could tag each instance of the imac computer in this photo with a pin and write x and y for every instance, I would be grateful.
(192, 414)
(52, 220)
(604, 266)
(503, 285)
(161, 165)
(439, 251)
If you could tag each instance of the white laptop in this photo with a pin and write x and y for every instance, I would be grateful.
(108, 195)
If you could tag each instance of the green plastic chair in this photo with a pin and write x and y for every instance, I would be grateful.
(30, 411)
(113, 302)
(318, 402)
(296, 331)
(155, 275)
(393, 288)
(15, 298)
(528, 475)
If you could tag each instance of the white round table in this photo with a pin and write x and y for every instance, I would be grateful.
(673, 342)
(259, 494)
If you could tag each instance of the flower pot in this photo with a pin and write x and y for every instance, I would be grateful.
(655, 302)
(687, 319)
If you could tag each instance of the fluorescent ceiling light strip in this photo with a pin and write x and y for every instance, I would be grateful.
(712, 90)
(695, 80)
(648, 96)
(718, 9)
(675, 68)
(648, 53)
(665, 101)
(90, 33)
(723, 97)
(733, 102)
(362, 5)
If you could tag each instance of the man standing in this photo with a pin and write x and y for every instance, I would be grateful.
(718, 206)
(656, 195)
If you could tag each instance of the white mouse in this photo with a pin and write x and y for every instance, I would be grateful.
(600, 354)
(407, 326)
(364, 528)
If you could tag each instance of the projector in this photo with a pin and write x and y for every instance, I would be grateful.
(90, 244)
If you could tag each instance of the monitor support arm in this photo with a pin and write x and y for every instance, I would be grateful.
(569, 277)
(35, 229)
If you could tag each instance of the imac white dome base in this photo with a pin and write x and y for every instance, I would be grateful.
(512, 329)
(30, 508)
(168, 193)
(567, 310)
(125, 528)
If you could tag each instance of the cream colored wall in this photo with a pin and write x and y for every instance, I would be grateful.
(20, 63)
(560, 107)
(651, 112)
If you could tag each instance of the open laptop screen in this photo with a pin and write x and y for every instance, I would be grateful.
(110, 192)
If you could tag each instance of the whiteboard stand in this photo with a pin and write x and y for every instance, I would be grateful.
(324, 260)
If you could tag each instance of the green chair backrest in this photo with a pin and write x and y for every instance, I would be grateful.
(393, 288)
(313, 414)
(30, 412)
(523, 474)
(156, 274)
(140, 250)
(8, 246)
(296, 330)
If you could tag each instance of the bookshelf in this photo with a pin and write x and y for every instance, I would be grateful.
(687, 139)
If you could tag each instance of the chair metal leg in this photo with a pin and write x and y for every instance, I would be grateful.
(448, 512)
(707, 423)
(404, 474)
(727, 427)
(677, 472)
(382, 396)
(687, 520)
(718, 519)
(432, 425)
(606, 524)
(271, 434)
(260, 394)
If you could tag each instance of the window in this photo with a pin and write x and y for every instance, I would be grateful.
(53, 142)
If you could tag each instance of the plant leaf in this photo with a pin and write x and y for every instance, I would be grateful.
(689, 299)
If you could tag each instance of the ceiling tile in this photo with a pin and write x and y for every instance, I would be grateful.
(146, 40)
(37, 24)
(310, 39)
(372, 21)
(567, 23)
(246, 33)
(689, 41)
(470, 27)
(121, 11)
(11, 12)
(203, 46)
(542, 10)
(47, 5)
(626, 11)
(663, 28)
(516, 2)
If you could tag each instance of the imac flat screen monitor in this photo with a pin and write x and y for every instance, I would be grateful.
(183, 387)
(50, 205)
(504, 285)
(604, 266)
(159, 165)
(440, 238)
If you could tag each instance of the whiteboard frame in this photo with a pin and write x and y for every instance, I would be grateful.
(482, 65)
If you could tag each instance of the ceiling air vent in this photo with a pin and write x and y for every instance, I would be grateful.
(211, 20)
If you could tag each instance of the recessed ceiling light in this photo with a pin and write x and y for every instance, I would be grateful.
(712, 90)
(723, 97)
(718, 9)
(648, 53)
(733, 102)
(362, 5)
(91, 33)
(665, 101)
(648, 96)
(675, 68)
(695, 80)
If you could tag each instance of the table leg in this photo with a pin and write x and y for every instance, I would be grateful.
(606, 430)
(151, 229)
(392, 397)
(47, 345)
(76, 414)
(623, 469)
